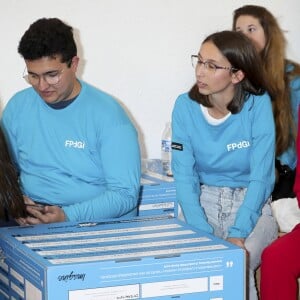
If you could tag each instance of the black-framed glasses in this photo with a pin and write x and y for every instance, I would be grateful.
(51, 78)
(208, 65)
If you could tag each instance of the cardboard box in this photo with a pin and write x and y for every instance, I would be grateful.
(157, 195)
(142, 258)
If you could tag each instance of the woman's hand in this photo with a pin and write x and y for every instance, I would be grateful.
(238, 242)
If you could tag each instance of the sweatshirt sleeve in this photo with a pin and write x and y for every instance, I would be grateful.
(186, 178)
(122, 169)
(262, 172)
(289, 157)
(297, 179)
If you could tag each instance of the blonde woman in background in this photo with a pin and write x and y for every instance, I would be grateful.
(283, 78)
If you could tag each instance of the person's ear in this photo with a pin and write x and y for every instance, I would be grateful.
(74, 63)
(237, 76)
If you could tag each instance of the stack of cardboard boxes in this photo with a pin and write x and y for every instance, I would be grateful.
(157, 195)
(142, 258)
(154, 256)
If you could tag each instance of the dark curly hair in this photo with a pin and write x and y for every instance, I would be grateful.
(48, 37)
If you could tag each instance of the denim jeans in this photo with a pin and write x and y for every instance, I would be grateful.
(221, 205)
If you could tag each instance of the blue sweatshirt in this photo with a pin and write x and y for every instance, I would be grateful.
(84, 157)
(236, 153)
(289, 157)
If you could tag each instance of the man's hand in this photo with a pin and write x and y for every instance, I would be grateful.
(39, 214)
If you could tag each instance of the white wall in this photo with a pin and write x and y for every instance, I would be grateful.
(137, 50)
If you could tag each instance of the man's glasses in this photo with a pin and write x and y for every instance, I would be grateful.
(51, 78)
(208, 65)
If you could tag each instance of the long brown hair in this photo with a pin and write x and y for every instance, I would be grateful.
(242, 55)
(277, 77)
(11, 199)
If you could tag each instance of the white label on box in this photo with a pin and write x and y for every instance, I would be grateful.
(108, 293)
(216, 283)
(174, 287)
(32, 292)
(58, 236)
(158, 205)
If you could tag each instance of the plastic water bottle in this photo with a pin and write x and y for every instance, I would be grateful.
(166, 151)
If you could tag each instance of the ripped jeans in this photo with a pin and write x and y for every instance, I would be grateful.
(221, 205)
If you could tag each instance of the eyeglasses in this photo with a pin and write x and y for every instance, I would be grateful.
(51, 78)
(208, 65)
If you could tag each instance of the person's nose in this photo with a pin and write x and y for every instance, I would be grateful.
(42, 84)
(200, 70)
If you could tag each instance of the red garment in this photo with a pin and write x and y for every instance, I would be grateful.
(297, 179)
(280, 268)
(280, 264)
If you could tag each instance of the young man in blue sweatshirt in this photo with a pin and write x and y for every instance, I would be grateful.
(75, 148)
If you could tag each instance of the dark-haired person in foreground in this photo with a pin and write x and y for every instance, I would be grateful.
(11, 198)
(75, 148)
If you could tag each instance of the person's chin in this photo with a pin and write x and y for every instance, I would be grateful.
(49, 98)
(203, 91)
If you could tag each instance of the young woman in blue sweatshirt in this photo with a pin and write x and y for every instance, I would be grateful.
(223, 142)
(283, 77)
